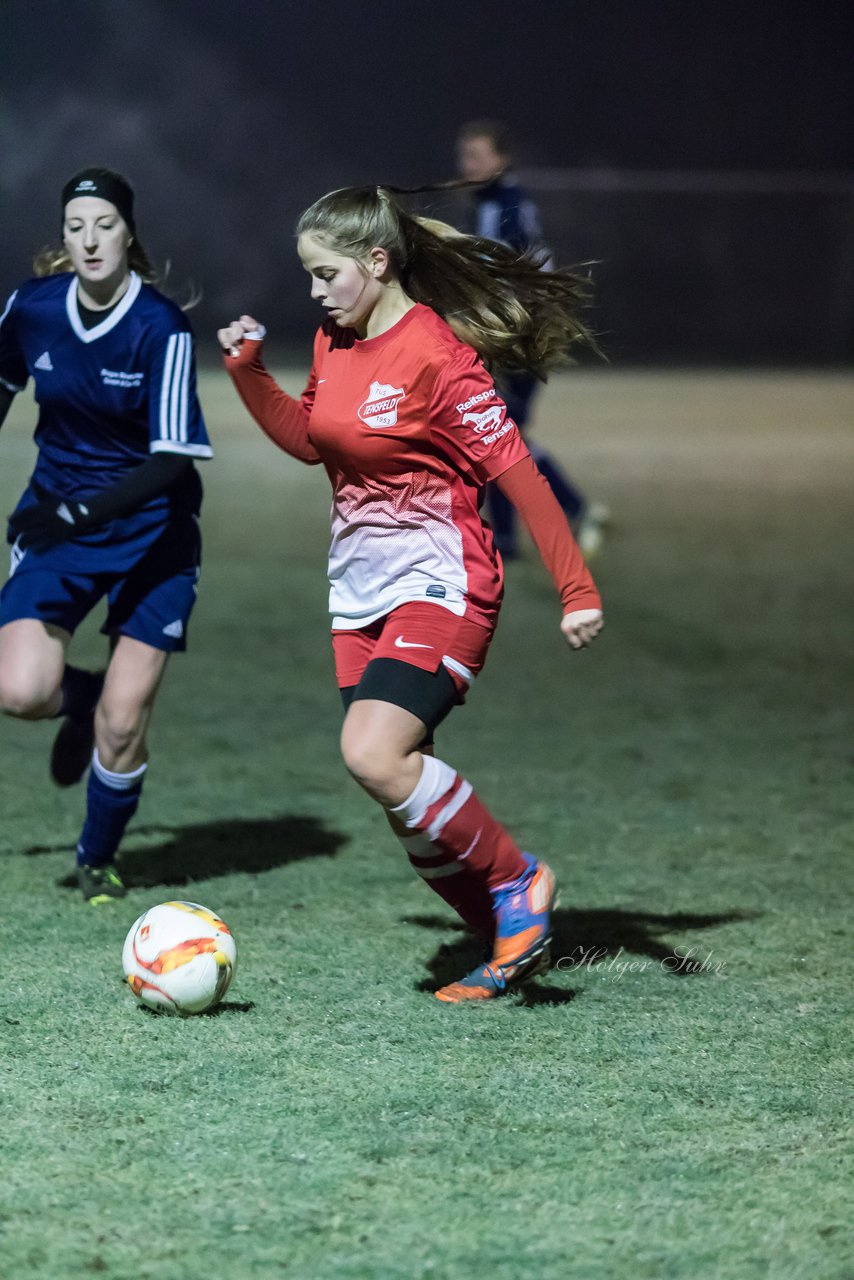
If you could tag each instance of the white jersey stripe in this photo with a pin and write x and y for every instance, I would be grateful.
(185, 388)
(164, 387)
(174, 388)
(8, 306)
(179, 390)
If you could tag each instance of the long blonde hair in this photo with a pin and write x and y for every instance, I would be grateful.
(502, 303)
(50, 261)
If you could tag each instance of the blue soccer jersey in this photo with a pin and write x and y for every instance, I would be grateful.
(108, 396)
(502, 211)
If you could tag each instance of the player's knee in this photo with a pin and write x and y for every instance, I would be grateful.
(26, 699)
(118, 729)
(370, 762)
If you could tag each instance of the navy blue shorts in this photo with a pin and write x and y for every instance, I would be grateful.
(150, 601)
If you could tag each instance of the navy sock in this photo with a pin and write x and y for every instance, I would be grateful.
(80, 692)
(111, 801)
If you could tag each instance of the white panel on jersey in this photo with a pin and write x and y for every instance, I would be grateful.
(389, 546)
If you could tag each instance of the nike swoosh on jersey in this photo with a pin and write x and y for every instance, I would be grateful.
(400, 643)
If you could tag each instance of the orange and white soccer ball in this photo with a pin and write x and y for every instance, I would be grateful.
(179, 957)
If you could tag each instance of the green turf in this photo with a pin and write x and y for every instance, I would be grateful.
(689, 779)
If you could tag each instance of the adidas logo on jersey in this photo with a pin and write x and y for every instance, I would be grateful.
(380, 408)
(44, 361)
(174, 629)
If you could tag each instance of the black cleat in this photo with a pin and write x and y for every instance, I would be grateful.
(99, 884)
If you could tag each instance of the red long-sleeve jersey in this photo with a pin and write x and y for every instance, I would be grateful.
(410, 428)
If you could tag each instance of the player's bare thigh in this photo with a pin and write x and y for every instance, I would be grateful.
(379, 743)
(32, 660)
(124, 711)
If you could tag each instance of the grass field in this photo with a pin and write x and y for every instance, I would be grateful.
(689, 778)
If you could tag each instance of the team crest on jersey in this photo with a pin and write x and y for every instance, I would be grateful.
(380, 408)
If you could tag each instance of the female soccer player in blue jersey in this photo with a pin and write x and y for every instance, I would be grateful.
(111, 509)
(502, 210)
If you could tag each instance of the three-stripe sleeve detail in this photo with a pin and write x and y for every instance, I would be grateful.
(174, 389)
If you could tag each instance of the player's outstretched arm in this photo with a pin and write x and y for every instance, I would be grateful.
(279, 415)
(55, 520)
(532, 497)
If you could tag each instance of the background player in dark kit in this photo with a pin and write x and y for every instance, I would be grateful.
(111, 508)
(502, 210)
(402, 413)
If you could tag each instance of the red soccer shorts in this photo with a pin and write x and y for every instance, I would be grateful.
(424, 635)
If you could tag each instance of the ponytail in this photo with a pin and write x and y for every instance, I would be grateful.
(516, 315)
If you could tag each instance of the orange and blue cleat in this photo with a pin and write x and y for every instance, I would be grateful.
(522, 909)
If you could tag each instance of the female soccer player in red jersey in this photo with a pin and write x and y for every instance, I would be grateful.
(402, 412)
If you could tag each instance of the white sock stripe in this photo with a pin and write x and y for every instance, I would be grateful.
(438, 873)
(443, 817)
(117, 781)
(435, 857)
(436, 778)
(417, 845)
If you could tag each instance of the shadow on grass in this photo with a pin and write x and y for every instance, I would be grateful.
(210, 849)
(592, 936)
(580, 939)
(220, 1010)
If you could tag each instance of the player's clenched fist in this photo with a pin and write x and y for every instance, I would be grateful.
(581, 627)
(232, 337)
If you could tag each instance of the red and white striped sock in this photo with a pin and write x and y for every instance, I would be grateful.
(467, 894)
(444, 808)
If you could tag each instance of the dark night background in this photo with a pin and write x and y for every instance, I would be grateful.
(704, 150)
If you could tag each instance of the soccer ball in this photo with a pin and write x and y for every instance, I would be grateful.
(179, 958)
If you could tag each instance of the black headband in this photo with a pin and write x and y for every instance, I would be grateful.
(105, 184)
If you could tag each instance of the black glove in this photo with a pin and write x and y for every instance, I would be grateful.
(42, 526)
